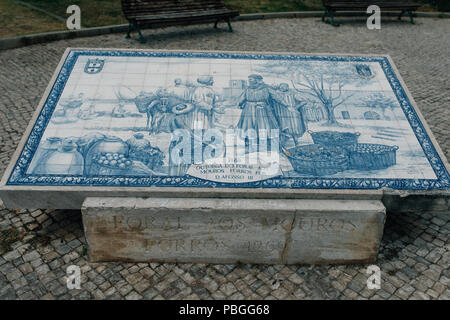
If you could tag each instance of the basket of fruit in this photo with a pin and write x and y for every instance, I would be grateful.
(152, 157)
(334, 138)
(112, 163)
(369, 156)
(317, 160)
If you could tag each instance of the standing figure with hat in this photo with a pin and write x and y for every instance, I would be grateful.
(256, 104)
(288, 107)
(204, 99)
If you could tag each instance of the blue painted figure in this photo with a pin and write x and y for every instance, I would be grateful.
(288, 110)
(180, 90)
(168, 113)
(204, 99)
(256, 104)
(118, 111)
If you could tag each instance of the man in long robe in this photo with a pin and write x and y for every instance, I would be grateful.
(287, 108)
(257, 110)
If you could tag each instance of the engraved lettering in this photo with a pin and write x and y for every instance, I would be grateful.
(134, 223)
(226, 223)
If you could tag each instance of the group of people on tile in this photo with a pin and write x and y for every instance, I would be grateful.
(194, 107)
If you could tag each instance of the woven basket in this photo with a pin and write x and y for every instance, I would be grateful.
(317, 160)
(369, 156)
(334, 138)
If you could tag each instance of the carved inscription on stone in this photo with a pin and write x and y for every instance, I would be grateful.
(145, 224)
(232, 230)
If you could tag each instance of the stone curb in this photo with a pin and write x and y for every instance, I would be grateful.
(21, 41)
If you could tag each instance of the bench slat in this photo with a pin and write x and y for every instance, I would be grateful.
(137, 8)
(185, 15)
(357, 5)
(133, 6)
(173, 10)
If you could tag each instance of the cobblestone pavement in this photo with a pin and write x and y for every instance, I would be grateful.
(36, 246)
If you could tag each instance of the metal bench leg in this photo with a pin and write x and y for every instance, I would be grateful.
(130, 28)
(229, 25)
(325, 13)
(401, 14)
(411, 17)
(141, 37)
(334, 24)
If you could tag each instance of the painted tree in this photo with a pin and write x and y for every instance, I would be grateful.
(322, 81)
(379, 100)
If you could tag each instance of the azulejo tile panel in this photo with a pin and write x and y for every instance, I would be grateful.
(239, 120)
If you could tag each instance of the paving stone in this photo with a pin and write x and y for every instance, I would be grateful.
(125, 289)
(98, 294)
(141, 286)
(433, 257)
(25, 268)
(36, 263)
(438, 221)
(134, 278)
(35, 213)
(48, 296)
(445, 281)
(42, 269)
(99, 280)
(228, 288)
(109, 292)
(133, 296)
(432, 274)
(19, 283)
(31, 256)
(13, 275)
(11, 255)
(17, 262)
(439, 287)
(432, 293)
(418, 295)
(28, 296)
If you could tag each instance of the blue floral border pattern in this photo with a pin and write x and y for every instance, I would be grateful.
(19, 176)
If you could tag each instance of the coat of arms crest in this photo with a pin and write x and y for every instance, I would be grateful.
(364, 71)
(94, 66)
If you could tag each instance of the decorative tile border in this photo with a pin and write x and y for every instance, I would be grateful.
(19, 176)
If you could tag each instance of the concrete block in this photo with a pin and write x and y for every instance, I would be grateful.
(266, 231)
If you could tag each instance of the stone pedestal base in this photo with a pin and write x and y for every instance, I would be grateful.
(272, 231)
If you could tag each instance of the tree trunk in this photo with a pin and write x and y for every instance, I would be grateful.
(330, 114)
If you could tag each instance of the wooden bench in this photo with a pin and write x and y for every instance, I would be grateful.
(331, 6)
(151, 13)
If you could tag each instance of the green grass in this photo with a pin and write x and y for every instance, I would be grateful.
(16, 19)
(93, 13)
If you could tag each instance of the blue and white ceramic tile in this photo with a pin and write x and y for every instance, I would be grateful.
(115, 118)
